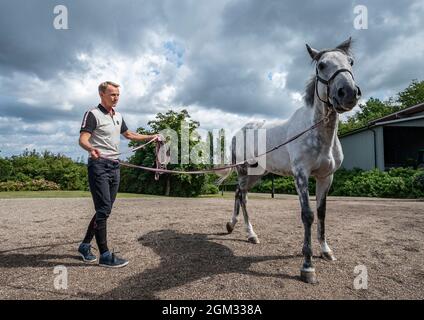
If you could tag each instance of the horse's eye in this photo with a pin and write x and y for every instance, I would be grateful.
(351, 61)
(321, 65)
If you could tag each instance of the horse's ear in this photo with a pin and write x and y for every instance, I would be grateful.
(345, 45)
(312, 52)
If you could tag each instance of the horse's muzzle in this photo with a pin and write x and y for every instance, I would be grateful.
(346, 98)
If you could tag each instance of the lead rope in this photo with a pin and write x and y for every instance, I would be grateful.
(161, 168)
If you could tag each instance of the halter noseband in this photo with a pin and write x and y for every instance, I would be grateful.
(328, 82)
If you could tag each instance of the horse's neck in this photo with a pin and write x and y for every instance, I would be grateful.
(328, 129)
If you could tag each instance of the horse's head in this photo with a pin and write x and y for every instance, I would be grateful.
(334, 81)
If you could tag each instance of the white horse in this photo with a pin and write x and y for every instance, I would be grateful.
(317, 153)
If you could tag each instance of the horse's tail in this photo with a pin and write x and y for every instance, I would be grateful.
(224, 174)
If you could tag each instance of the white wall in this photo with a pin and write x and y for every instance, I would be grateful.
(358, 150)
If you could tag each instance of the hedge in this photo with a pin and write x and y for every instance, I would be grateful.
(395, 183)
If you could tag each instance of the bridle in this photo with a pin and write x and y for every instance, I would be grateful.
(328, 82)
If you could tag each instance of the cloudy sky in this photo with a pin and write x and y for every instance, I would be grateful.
(225, 61)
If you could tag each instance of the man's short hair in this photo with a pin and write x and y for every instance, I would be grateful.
(103, 85)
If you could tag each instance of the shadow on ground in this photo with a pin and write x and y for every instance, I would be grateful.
(13, 259)
(185, 258)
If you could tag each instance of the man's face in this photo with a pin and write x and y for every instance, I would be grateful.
(110, 97)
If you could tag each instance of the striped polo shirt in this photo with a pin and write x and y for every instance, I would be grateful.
(105, 129)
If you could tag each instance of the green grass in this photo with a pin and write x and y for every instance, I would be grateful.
(84, 194)
(226, 195)
(61, 194)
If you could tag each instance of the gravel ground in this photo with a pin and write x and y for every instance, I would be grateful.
(179, 249)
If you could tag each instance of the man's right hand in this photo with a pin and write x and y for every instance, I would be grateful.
(94, 154)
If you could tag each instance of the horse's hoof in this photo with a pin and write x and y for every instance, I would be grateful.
(230, 228)
(308, 276)
(328, 256)
(254, 240)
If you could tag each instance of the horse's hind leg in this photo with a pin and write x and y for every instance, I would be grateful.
(323, 185)
(245, 183)
(232, 223)
(251, 235)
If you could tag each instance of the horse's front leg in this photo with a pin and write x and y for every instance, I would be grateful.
(322, 188)
(307, 272)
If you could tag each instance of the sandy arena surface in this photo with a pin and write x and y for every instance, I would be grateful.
(179, 249)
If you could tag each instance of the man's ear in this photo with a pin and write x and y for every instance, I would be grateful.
(312, 52)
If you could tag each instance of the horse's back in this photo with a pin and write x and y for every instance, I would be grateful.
(257, 138)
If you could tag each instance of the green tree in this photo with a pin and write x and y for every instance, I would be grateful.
(372, 109)
(412, 95)
(5, 169)
(139, 181)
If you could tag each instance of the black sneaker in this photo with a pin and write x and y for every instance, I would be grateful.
(110, 260)
(85, 252)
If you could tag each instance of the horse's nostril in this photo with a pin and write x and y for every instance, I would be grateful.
(341, 93)
(358, 92)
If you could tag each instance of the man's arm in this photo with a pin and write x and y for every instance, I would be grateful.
(85, 144)
(138, 137)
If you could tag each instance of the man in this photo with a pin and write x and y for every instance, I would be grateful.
(99, 135)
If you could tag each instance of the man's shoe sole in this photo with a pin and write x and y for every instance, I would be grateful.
(85, 260)
(116, 266)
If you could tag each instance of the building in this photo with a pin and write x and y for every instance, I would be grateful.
(395, 140)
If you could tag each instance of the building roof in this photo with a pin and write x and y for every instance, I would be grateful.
(404, 113)
(398, 120)
(398, 116)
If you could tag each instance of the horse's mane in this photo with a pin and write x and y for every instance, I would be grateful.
(310, 92)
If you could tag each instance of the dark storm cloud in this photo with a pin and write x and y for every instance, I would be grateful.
(283, 28)
(324, 24)
(231, 87)
(30, 43)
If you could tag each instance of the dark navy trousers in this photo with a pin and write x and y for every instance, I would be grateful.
(103, 179)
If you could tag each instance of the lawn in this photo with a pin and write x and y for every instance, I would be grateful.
(61, 194)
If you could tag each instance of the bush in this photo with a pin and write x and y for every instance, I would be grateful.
(395, 183)
(29, 166)
(281, 185)
(418, 183)
(32, 185)
(373, 184)
(209, 188)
